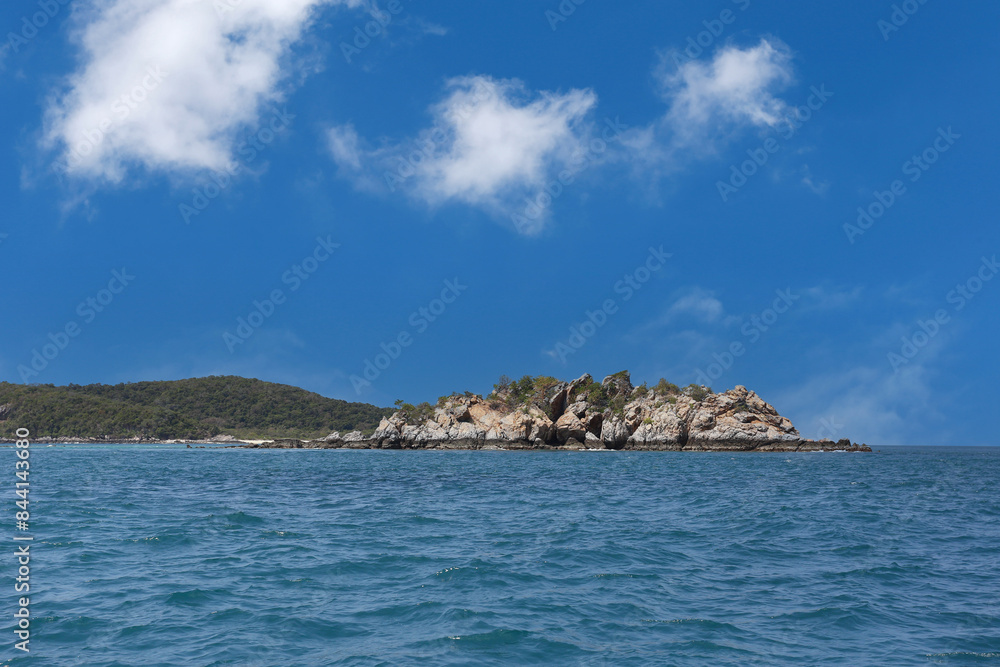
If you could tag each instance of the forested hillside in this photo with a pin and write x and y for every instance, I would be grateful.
(183, 409)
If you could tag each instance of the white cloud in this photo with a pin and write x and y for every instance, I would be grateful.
(432, 28)
(345, 146)
(862, 394)
(698, 303)
(709, 103)
(826, 297)
(866, 404)
(808, 181)
(166, 84)
(735, 88)
(491, 143)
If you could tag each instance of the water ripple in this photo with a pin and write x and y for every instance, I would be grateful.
(161, 556)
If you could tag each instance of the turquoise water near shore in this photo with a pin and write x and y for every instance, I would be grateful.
(170, 556)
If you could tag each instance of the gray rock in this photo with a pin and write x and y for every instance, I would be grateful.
(614, 433)
(570, 427)
(618, 385)
(557, 404)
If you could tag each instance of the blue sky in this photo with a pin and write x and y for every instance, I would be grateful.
(256, 187)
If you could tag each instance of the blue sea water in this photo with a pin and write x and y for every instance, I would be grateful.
(172, 556)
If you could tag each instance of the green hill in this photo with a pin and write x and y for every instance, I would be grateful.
(182, 409)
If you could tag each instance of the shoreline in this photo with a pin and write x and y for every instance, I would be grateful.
(788, 447)
(796, 446)
(106, 440)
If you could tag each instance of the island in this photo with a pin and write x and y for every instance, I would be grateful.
(198, 410)
(544, 413)
(533, 413)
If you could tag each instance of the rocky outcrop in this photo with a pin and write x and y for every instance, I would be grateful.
(610, 415)
(545, 413)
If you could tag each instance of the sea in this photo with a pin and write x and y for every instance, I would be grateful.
(163, 555)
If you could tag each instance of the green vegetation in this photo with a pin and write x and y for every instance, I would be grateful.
(593, 393)
(664, 388)
(183, 409)
(697, 392)
(598, 396)
(417, 414)
(522, 393)
(511, 395)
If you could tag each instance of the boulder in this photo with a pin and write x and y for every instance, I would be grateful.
(615, 433)
(570, 427)
(390, 430)
(594, 422)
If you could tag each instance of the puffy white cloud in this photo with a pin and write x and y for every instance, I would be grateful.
(735, 88)
(866, 404)
(698, 303)
(495, 144)
(490, 144)
(710, 102)
(166, 84)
